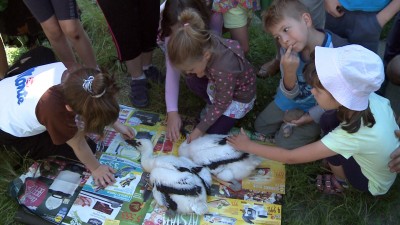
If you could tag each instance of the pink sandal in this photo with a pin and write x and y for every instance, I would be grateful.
(328, 184)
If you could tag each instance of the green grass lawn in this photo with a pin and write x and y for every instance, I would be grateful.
(302, 203)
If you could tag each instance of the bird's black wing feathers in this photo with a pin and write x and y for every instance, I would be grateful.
(222, 141)
(194, 191)
(216, 164)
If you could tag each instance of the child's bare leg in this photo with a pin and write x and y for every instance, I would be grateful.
(58, 41)
(134, 66)
(147, 58)
(216, 23)
(338, 172)
(80, 41)
(242, 36)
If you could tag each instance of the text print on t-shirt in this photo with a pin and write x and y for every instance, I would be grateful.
(23, 80)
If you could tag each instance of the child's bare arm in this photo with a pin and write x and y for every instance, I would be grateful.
(332, 6)
(308, 153)
(388, 12)
(304, 119)
(174, 124)
(127, 132)
(103, 175)
(290, 62)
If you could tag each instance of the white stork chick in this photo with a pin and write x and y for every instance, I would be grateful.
(225, 162)
(178, 183)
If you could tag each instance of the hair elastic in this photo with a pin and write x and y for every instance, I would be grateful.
(87, 86)
(99, 95)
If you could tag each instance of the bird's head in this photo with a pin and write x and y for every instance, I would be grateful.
(144, 146)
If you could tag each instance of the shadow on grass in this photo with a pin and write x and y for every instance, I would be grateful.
(304, 204)
(11, 166)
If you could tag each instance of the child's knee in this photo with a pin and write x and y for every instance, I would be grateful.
(73, 32)
(54, 33)
(393, 70)
(264, 127)
(258, 124)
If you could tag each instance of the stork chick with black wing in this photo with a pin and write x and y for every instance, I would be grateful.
(225, 162)
(178, 183)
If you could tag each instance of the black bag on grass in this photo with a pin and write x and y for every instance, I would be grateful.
(35, 57)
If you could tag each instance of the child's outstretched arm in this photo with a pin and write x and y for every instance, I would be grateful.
(386, 14)
(308, 153)
(172, 77)
(102, 175)
(174, 124)
(127, 132)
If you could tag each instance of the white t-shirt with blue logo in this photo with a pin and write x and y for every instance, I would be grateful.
(19, 96)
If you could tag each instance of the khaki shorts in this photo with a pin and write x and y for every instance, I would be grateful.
(237, 17)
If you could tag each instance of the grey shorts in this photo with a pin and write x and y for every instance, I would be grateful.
(269, 122)
(42, 10)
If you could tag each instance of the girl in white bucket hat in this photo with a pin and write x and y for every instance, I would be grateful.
(358, 150)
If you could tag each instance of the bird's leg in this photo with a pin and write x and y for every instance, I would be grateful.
(235, 186)
(226, 183)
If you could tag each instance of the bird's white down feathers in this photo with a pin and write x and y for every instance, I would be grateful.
(178, 183)
(226, 163)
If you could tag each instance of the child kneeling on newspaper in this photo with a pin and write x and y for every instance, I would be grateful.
(39, 110)
(358, 150)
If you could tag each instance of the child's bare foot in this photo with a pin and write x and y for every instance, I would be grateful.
(269, 68)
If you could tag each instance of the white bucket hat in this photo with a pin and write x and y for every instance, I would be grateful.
(350, 73)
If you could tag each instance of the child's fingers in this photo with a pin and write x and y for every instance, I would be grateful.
(394, 164)
(101, 182)
(395, 154)
(175, 135)
(288, 52)
(112, 170)
(109, 178)
(231, 140)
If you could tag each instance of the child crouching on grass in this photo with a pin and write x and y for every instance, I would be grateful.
(40, 106)
(216, 71)
(358, 151)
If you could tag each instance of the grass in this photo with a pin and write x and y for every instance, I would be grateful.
(303, 205)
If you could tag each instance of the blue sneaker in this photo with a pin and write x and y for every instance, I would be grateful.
(153, 74)
(139, 94)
